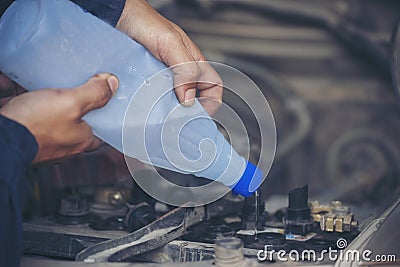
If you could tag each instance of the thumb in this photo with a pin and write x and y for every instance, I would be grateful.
(95, 93)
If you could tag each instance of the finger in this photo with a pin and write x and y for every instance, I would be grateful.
(185, 82)
(211, 88)
(186, 71)
(95, 93)
(210, 97)
(95, 144)
(210, 83)
(83, 137)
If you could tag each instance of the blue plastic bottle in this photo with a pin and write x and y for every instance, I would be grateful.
(56, 44)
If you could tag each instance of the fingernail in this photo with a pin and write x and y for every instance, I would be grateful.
(113, 83)
(189, 97)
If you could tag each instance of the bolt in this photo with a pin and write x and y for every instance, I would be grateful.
(228, 252)
(116, 198)
(336, 203)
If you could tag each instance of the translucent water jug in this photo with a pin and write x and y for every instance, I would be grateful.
(56, 44)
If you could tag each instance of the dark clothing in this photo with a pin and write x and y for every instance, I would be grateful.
(107, 10)
(18, 148)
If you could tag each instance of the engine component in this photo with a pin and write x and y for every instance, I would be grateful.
(298, 219)
(73, 210)
(167, 228)
(109, 223)
(334, 217)
(112, 195)
(272, 239)
(138, 216)
(108, 209)
(104, 210)
(229, 252)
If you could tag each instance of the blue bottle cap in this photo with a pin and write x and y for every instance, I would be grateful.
(250, 181)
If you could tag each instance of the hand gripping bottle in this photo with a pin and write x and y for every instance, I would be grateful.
(56, 44)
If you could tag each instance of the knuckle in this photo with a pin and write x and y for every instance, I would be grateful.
(70, 103)
(220, 84)
(68, 100)
(87, 137)
(190, 72)
(103, 92)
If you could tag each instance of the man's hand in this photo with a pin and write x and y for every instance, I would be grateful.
(53, 116)
(170, 44)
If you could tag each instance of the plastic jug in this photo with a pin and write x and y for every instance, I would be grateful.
(56, 44)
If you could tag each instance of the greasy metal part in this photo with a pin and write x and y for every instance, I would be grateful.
(213, 231)
(208, 231)
(73, 210)
(74, 205)
(334, 217)
(228, 252)
(139, 216)
(153, 236)
(109, 208)
(112, 195)
(328, 223)
(116, 198)
(105, 210)
(37, 262)
(109, 223)
(317, 210)
(157, 234)
(298, 219)
(177, 253)
(45, 238)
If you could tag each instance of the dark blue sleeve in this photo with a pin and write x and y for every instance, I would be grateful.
(107, 10)
(4, 4)
(18, 148)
